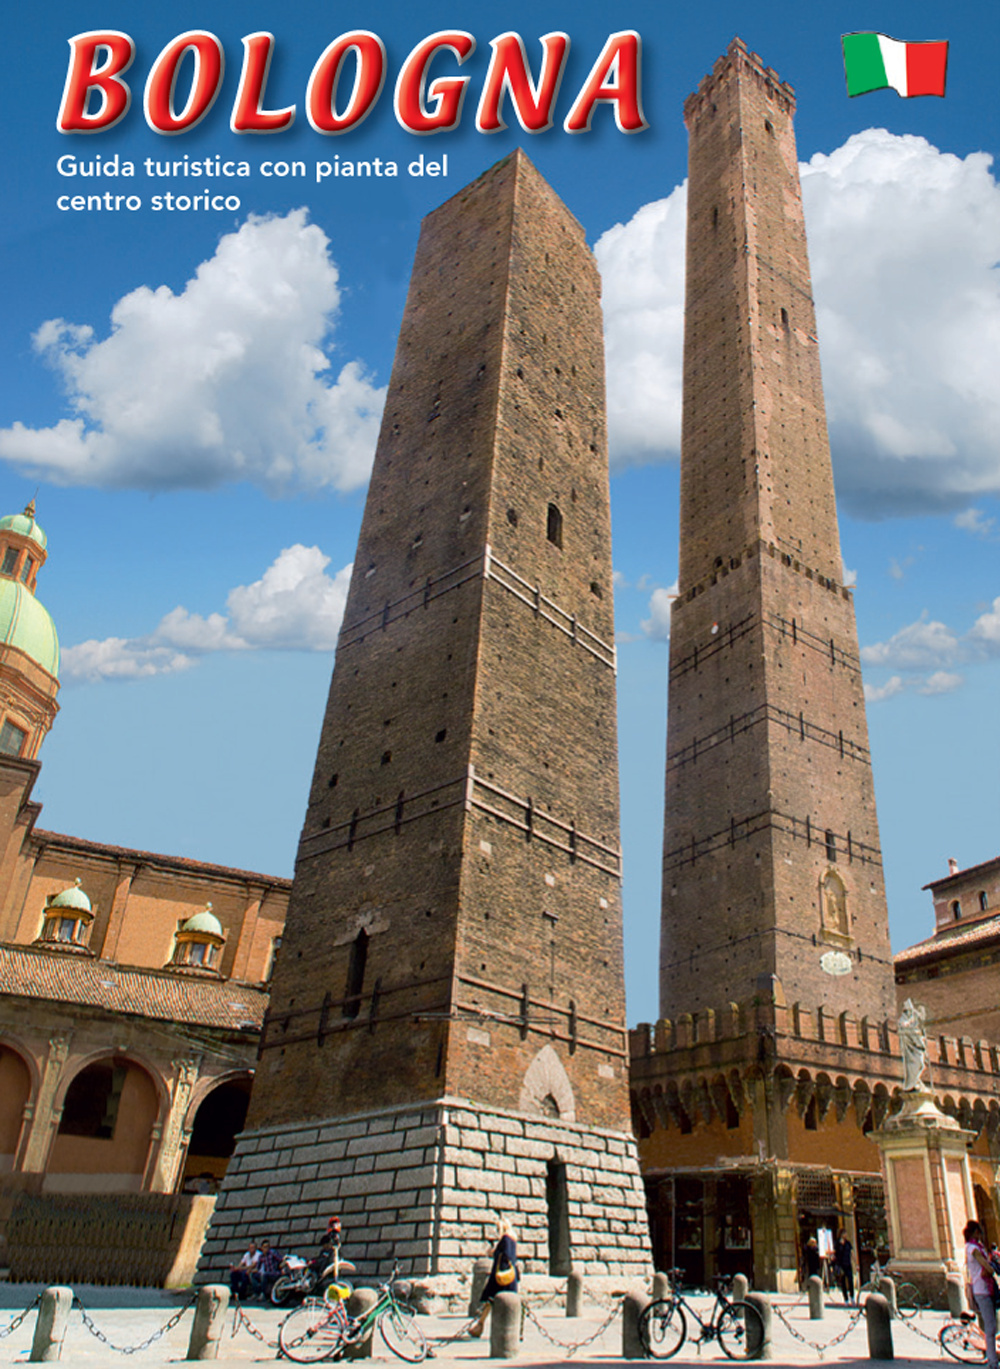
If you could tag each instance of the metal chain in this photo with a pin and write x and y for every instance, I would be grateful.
(911, 1325)
(816, 1345)
(459, 1335)
(133, 1349)
(5, 1331)
(571, 1347)
(241, 1320)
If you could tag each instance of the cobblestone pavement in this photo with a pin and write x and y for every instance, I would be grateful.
(127, 1317)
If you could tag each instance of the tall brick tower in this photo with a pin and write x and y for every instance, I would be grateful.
(771, 849)
(756, 1093)
(446, 1038)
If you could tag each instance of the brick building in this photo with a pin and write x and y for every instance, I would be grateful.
(775, 1056)
(953, 973)
(132, 992)
(446, 1038)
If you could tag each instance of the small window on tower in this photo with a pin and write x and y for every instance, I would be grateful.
(9, 560)
(784, 319)
(553, 530)
(26, 569)
(956, 908)
(12, 739)
(982, 900)
(831, 847)
(356, 975)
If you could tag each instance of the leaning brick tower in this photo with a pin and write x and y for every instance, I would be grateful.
(756, 1093)
(772, 869)
(446, 1039)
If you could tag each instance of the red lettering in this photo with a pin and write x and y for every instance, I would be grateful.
(615, 76)
(209, 63)
(508, 74)
(247, 116)
(369, 75)
(84, 75)
(435, 108)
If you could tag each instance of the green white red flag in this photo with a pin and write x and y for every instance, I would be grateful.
(874, 62)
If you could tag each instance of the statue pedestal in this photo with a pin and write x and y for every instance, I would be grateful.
(928, 1192)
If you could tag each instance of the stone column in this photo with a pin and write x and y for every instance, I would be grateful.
(928, 1193)
(170, 1151)
(45, 1121)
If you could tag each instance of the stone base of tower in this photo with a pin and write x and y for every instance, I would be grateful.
(424, 1184)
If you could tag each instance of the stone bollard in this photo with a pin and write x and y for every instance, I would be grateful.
(505, 1326)
(741, 1287)
(209, 1322)
(887, 1287)
(814, 1287)
(633, 1307)
(879, 1320)
(574, 1293)
(661, 1286)
(480, 1273)
(956, 1296)
(50, 1325)
(362, 1300)
(763, 1305)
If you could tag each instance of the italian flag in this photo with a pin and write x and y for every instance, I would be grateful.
(874, 62)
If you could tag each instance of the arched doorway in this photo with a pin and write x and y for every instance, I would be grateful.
(15, 1090)
(985, 1213)
(218, 1121)
(103, 1140)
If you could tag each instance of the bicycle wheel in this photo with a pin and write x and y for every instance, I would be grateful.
(740, 1330)
(963, 1342)
(402, 1334)
(909, 1300)
(662, 1328)
(311, 1333)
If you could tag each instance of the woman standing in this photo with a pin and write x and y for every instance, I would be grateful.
(982, 1286)
(504, 1275)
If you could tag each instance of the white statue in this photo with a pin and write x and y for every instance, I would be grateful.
(913, 1043)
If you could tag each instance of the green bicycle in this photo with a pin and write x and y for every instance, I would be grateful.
(321, 1329)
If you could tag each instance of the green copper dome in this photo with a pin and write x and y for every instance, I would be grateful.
(73, 897)
(24, 523)
(25, 624)
(205, 922)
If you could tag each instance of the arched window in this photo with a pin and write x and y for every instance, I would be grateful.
(356, 974)
(956, 908)
(554, 526)
(983, 901)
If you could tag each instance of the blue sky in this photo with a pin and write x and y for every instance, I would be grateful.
(200, 461)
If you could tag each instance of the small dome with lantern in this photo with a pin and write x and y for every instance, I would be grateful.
(66, 919)
(197, 943)
(29, 643)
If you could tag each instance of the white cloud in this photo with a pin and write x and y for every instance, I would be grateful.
(295, 605)
(849, 578)
(919, 646)
(985, 632)
(903, 241)
(642, 286)
(876, 693)
(941, 682)
(657, 626)
(975, 521)
(228, 380)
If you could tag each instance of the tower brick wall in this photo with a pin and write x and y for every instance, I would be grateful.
(772, 866)
(454, 934)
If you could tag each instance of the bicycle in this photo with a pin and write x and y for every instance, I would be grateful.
(737, 1326)
(909, 1299)
(962, 1339)
(321, 1329)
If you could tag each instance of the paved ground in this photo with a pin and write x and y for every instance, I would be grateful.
(128, 1316)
